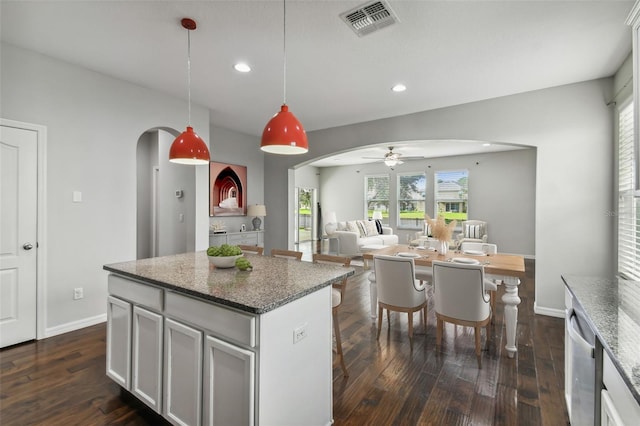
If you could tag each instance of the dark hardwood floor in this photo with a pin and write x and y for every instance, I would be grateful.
(61, 380)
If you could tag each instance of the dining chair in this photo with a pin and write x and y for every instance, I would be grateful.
(338, 292)
(251, 249)
(286, 254)
(398, 290)
(491, 284)
(461, 298)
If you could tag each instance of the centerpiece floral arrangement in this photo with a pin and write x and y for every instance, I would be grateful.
(441, 231)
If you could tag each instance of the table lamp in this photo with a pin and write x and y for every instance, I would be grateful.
(257, 210)
(377, 215)
(330, 223)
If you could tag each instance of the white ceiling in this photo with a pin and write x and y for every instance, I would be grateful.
(445, 52)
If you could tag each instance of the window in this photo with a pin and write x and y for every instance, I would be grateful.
(411, 199)
(377, 196)
(451, 193)
(628, 206)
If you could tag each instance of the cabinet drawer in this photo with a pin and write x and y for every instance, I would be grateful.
(221, 321)
(142, 294)
(249, 239)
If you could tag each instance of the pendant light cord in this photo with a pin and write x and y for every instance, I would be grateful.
(189, 74)
(284, 51)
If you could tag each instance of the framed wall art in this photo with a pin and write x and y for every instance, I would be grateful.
(227, 189)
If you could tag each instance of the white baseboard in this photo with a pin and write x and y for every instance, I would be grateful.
(551, 312)
(75, 325)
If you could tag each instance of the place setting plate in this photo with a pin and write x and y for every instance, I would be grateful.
(408, 254)
(474, 252)
(465, 260)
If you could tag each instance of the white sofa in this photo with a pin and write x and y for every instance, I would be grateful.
(352, 241)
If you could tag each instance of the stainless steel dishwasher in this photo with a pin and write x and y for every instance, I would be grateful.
(582, 367)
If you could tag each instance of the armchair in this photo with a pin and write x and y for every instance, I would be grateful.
(473, 231)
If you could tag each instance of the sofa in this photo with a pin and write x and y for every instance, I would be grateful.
(355, 235)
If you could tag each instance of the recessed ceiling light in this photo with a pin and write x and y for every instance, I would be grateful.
(242, 67)
(486, 144)
(399, 88)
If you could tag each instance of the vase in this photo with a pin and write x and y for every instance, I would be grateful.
(443, 247)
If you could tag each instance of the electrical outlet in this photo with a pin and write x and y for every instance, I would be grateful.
(78, 293)
(299, 333)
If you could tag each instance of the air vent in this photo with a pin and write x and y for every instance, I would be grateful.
(369, 17)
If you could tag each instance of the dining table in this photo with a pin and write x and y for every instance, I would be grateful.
(507, 269)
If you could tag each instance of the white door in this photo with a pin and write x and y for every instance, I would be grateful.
(18, 234)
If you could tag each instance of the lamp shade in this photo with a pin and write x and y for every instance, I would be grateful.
(189, 148)
(284, 134)
(331, 218)
(377, 215)
(256, 210)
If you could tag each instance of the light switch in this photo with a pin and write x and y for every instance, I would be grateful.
(181, 218)
(77, 196)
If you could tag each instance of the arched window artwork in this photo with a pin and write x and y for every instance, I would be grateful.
(227, 189)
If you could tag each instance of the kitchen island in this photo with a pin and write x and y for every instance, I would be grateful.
(201, 345)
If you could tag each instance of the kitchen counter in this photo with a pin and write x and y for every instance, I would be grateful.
(613, 311)
(272, 283)
(203, 345)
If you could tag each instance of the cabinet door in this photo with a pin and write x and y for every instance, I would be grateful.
(146, 380)
(217, 239)
(261, 238)
(182, 373)
(229, 384)
(119, 341)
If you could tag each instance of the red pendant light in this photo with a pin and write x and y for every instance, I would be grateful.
(284, 133)
(188, 147)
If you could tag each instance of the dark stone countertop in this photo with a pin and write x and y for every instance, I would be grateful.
(613, 309)
(272, 283)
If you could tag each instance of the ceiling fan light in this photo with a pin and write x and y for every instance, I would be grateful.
(390, 161)
(284, 134)
(189, 148)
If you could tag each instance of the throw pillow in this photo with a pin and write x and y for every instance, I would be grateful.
(379, 226)
(427, 230)
(372, 229)
(472, 231)
(352, 226)
(362, 227)
(342, 226)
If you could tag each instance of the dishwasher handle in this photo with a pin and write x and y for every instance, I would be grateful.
(574, 334)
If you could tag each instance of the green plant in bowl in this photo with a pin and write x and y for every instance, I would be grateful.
(224, 256)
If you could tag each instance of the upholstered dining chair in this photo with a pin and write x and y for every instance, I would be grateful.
(461, 298)
(338, 293)
(251, 249)
(287, 254)
(398, 290)
(491, 284)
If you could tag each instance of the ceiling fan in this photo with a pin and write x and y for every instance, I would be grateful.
(392, 159)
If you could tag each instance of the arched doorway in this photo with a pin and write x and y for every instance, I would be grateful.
(165, 198)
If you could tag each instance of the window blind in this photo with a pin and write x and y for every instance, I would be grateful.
(376, 194)
(628, 205)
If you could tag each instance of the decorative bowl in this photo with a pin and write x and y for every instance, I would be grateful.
(224, 261)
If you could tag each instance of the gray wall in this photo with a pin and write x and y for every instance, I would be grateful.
(572, 128)
(93, 125)
(502, 191)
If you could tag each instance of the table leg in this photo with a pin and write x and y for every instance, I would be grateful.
(373, 294)
(511, 301)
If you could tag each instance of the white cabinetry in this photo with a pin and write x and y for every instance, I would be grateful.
(229, 383)
(182, 373)
(146, 357)
(249, 238)
(622, 408)
(119, 341)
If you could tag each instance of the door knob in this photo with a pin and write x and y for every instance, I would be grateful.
(27, 246)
